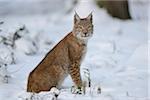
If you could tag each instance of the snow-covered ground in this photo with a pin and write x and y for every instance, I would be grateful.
(117, 56)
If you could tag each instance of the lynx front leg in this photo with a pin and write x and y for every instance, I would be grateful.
(74, 71)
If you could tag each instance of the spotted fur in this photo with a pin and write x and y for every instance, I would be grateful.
(64, 59)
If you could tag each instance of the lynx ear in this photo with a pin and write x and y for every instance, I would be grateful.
(76, 17)
(90, 17)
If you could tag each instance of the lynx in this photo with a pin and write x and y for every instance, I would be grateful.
(64, 59)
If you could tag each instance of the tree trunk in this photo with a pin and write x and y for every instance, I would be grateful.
(116, 8)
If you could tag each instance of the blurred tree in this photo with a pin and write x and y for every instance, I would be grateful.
(117, 8)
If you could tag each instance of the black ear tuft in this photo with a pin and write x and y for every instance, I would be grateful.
(90, 17)
(76, 17)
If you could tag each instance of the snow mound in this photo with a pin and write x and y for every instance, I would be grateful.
(6, 55)
(51, 95)
(26, 46)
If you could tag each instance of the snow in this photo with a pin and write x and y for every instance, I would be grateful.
(117, 56)
(139, 9)
(51, 95)
(25, 46)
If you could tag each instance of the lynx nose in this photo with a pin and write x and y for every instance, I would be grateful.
(86, 34)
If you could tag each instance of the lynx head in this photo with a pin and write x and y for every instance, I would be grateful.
(83, 27)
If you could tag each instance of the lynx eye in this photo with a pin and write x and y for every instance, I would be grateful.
(81, 27)
(90, 28)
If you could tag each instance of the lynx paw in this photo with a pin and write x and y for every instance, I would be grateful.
(76, 90)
